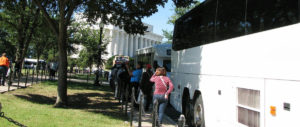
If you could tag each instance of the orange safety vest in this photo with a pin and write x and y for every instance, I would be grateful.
(4, 61)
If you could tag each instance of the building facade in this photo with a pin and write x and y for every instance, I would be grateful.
(121, 43)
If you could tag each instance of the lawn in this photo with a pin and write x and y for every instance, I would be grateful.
(89, 106)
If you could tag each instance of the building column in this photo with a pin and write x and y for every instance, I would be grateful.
(136, 43)
(113, 42)
(142, 42)
(116, 48)
(148, 43)
(121, 43)
(125, 46)
(131, 51)
(152, 42)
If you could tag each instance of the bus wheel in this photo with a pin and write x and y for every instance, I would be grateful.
(188, 112)
(198, 112)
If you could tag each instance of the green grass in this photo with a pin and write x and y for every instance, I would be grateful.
(88, 106)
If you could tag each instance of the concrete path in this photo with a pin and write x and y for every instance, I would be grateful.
(147, 120)
(22, 83)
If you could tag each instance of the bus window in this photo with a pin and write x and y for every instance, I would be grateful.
(268, 14)
(200, 29)
(230, 19)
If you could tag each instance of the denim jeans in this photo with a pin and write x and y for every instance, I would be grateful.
(162, 104)
(3, 71)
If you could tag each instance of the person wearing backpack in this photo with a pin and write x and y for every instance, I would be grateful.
(163, 88)
(146, 86)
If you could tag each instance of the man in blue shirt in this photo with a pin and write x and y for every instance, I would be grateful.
(135, 79)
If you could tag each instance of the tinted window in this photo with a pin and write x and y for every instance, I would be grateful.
(216, 20)
(268, 14)
(195, 28)
(230, 19)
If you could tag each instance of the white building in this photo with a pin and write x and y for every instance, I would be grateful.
(121, 43)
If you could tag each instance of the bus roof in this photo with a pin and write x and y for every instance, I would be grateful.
(32, 60)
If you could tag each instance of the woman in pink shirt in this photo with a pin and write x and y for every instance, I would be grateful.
(163, 88)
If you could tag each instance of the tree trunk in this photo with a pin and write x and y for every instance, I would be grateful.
(62, 99)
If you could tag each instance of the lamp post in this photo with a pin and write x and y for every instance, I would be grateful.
(101, 26)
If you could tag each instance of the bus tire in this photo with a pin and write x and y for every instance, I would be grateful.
(187, 110)
(198, 112)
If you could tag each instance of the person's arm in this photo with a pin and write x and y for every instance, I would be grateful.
(152, 79)
(128, 70)
(171, 86)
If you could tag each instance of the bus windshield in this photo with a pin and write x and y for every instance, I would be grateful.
(216, 20)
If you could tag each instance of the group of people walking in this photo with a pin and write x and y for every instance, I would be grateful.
(124, 79)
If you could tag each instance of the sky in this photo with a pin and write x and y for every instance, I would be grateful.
(159, 19)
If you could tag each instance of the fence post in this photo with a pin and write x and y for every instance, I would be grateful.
(42, 74)
(37, 75)
(140, 108)
(26, 77)
(87, 78)
(126, 98)
(9, 79)
(154, 113)
(181, 121)
(32, 76)
(132, 106)
(19, 76)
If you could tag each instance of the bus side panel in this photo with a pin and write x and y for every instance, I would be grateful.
(285, 96)
(219, 99)
(176, 95)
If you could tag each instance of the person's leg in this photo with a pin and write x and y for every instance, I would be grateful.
(162, 106)
(116, 88)
(4, 75)
(136, 90)
(1, 75)
(148, 101)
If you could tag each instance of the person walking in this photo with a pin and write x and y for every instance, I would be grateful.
(135, 79)
(4, 65)
(146, 86)
(163, 88)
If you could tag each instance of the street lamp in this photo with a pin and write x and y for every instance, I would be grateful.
(101, 26)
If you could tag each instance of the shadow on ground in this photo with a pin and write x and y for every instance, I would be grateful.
(101, 102)
(80, 86)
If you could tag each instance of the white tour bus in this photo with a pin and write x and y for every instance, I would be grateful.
(237, 64)
(159, 54)
(32, 63)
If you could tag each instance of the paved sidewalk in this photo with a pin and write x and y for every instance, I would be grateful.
(147, 119)
(22, 83)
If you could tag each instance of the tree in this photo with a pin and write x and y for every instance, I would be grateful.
(178, 12)
(89, 38)
(42, 41)
(20, 18)
(6, 46)
(126, 14)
